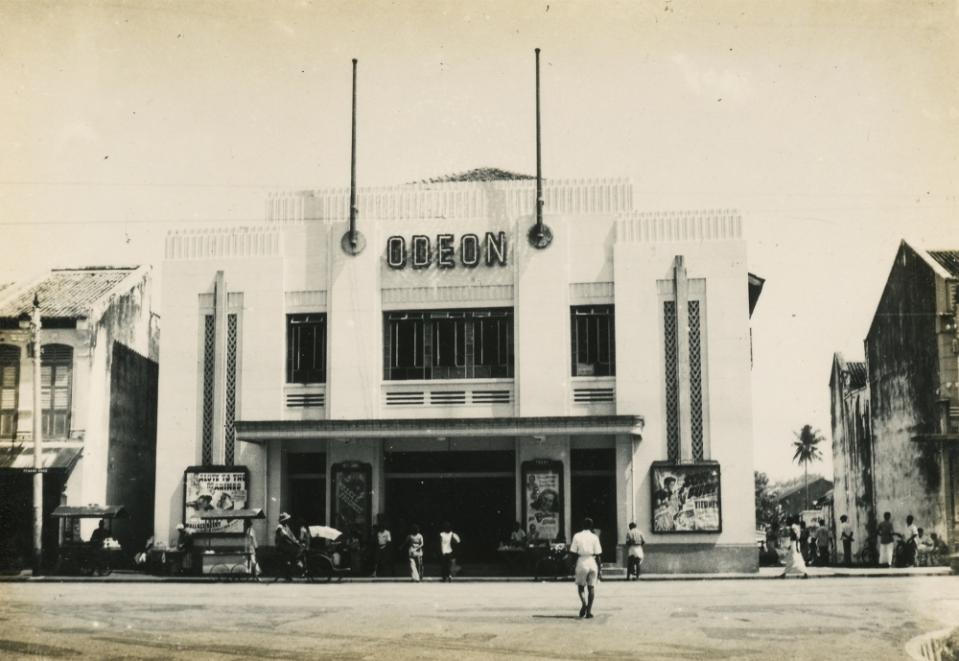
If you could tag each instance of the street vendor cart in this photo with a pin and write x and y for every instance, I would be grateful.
(85, 558)
(228, 554)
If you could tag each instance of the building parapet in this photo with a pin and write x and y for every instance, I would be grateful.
(230, 242)
(450, 200)
(693, 225)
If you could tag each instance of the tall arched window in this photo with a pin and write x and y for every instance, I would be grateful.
(9, 385)
(56, 366)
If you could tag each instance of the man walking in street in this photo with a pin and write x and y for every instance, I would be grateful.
(586, 547)
(886, 540)
(447, 539)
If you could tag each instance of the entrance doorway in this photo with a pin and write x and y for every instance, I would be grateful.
(306, 486)
(593, 494)
(475, 491)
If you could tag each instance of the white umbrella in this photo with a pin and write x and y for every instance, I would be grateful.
(324, 532)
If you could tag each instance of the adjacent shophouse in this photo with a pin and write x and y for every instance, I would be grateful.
(895, 416)
(452, 371)
(98, 357)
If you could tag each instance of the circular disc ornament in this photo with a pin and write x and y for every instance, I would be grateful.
(355, 247)
(540, 239)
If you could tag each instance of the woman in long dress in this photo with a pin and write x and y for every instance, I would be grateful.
(795, 564)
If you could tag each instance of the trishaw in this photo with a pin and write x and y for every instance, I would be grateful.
(78, 557)
(229, 554)
(328, 554)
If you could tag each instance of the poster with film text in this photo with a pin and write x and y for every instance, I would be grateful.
(686, 498)
(543, 502)
(211, 491)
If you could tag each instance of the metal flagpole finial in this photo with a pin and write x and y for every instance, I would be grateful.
(353, 241)
(539, 235)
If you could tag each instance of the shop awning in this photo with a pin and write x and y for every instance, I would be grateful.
(20, 458)
(89, 512)
(261, 431)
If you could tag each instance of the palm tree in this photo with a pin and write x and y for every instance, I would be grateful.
(807, 449)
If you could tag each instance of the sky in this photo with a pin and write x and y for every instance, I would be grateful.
(832, 127)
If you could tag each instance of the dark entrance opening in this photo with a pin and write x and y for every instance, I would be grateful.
(306, 474)
(593, 494)
(474, 490)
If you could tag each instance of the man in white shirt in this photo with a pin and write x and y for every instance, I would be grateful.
(586, 547)
(447, 537)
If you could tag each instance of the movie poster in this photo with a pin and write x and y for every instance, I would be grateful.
(352, 496)
(208, 490)
(686, 498)
(543, 500)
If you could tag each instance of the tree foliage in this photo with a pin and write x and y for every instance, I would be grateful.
(767, 502)
(807, 445)
(807, 450)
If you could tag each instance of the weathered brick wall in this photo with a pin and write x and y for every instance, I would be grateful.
(901, 350)
(131, 470)
(852, 458)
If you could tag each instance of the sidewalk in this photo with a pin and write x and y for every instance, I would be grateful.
(768, 573)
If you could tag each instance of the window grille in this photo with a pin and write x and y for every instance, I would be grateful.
(9, 385)
(592, 330)
(230, 431)
(306, 348)
(695, 382)
(208, 360)
(672, 380)
(448, 344)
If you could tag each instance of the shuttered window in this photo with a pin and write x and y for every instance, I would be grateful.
(56, 383)
(9, 385)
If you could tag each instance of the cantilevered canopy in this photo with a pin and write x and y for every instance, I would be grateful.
(261, 431)
(217, 515)
(90, 512)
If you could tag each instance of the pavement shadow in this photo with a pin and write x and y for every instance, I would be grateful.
(558, 617)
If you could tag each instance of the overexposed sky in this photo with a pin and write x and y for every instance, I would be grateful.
(833, 127)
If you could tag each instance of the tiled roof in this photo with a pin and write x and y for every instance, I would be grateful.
(948, 259)
(857, 374)
(480, 174)
(64, 293)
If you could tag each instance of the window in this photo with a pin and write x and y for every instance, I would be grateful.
(448, 344)
(306, 348)
(593, 340)
(9, 384)
(56, 383)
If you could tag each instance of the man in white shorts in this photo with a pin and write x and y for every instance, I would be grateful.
(586, 546)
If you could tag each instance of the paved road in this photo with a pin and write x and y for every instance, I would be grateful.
(847, 618)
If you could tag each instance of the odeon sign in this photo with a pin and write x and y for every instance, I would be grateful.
(469, 251)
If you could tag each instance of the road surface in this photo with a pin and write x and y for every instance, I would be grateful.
(835, 618)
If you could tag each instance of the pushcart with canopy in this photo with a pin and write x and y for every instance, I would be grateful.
(97, 556)
(227, 554)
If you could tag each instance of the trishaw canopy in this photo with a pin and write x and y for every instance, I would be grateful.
(89, 512)
(217, 515)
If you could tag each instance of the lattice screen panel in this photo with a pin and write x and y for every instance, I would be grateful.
(695, 381)
(672, 381)
(230, 431)
(208, 360)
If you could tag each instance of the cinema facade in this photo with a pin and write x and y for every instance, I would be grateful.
(452, 371)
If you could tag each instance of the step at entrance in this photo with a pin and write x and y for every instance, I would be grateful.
(613, 570)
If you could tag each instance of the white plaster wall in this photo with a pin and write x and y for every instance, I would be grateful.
(640, 370)
(260, 372)
(541, 348)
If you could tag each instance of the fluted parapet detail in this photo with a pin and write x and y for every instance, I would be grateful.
(691, 225)
(229, 242)
(448, 200)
